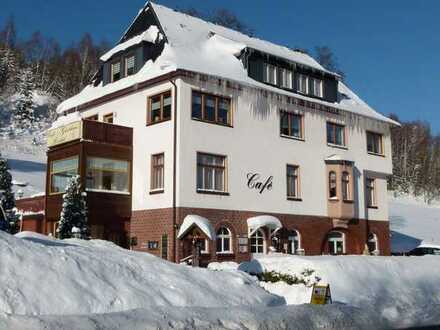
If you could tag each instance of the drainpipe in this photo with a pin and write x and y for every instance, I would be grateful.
(174, 170)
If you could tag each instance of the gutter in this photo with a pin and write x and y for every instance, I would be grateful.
(174, 170)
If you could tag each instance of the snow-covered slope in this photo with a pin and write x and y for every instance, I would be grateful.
(413, 222)
(43, 276)
(403, 290)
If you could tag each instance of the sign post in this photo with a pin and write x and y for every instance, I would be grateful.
(321, 295)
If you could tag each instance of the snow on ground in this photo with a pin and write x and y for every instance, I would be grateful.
(403, 290)
(48, 276)
(413, 222)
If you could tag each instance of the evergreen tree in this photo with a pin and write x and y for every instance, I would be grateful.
(74, 213)
(24, 116)
(7, 199)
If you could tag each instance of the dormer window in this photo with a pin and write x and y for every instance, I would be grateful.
(286, 78)
(129, 65)
(116, 71)
(270, 74)
(316, 87)
(303, 84)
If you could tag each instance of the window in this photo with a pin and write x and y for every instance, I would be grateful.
(332, 194)
(211, 108)
(159, 108)
(293, 181)
(286, 78)
(164, 247)
(373, 246)
(294, 240)
(224, 240)
(157, 172)
(257, 242)
(211, 172)
(336, 243)
(270, 74)
(335, 134)
(303, 84)
(60, 173)
(291, 124)
(371, 192)
(107, 175)
(115, 71)
(316, 87)
(374, 143)
(94, 117)
(346, 196)
(204, 246)
(129, 65)
(108, 118)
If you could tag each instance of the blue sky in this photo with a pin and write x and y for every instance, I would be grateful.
(389, 50)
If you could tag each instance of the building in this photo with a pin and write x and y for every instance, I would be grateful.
(195, 135)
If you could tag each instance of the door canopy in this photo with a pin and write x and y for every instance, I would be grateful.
(260, 221)
(192, 221)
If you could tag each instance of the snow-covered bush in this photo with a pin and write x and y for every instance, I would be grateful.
(305, 277)
(74, 212)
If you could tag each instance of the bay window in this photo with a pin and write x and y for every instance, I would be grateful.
(61, 171)
(332, 192)
(346, 194)
(105, 174)
(211, 173)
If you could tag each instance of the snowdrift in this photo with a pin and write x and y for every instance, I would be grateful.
(403, 290)
(39, 275)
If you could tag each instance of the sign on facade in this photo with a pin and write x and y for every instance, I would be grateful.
(67, 133)
(321, 295)
(243, 244)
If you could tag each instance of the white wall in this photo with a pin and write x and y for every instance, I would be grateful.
(254, 145)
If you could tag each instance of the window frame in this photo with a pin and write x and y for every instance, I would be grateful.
(263, 246)
(289, 124)
(330, 181)
(321, 87)
(344, 135)
(381, 144)
(332, 239)
(51, 173)
(153, 167)
(346, 186)
(285, 74)
(297, 182)
(108, 116)
(266, 75)
(112, 80)
(300, 84)
(222, 237)
(217, 98)
(126, 58)
(225, 174)
(292, 242)
(371, 193)
(105, 191)
(149, 107)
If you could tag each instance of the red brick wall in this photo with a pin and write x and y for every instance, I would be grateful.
(33, 223)
(31, 204)
(152, 224)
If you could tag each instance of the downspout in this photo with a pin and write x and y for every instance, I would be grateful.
(174, 171)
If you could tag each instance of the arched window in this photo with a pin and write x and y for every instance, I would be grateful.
(332, 185)
(336, 243)
(294, 242)
(373, 243)
(257, 242)
(224, 240)
(346, 196)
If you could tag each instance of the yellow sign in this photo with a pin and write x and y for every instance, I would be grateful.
(64, 134)
(321, 295)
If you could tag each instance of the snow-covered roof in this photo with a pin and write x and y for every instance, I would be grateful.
(338, 158)
(200, 222)
(199, 46)
(259, 221)
(152, 35)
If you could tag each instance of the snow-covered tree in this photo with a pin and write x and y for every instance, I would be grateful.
(7, 198)
(74, 212)
(8, 70)
(24, 116)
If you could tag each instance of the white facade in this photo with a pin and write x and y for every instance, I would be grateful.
(252, 145)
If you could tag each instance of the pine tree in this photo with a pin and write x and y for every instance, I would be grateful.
(7, 199)
(24, 116)
(74, 212)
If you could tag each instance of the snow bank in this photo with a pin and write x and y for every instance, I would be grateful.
(39, 275)
(404, 290)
